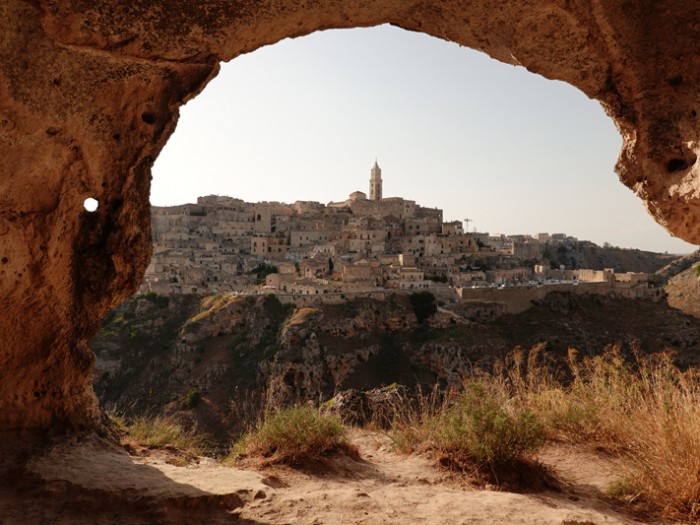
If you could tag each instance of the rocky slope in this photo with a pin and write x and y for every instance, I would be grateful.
(677, 266)
(211, 362)
(684, 292)
(586, 254)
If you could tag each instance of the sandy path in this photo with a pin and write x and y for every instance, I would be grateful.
(92, 483)
(391, 489)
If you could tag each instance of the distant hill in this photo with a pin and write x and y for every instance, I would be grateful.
(586, 254)
(624, 259)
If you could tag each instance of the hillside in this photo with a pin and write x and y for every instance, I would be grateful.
(209, 362)
(586, 254)
(677, 266)
(683, 292)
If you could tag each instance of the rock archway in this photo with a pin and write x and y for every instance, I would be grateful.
(90, 90)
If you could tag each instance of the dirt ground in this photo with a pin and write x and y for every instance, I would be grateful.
(91, 481)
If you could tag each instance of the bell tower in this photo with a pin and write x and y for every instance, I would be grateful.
(375, 183)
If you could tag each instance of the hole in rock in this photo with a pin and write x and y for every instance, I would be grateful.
(676, 165)
(91, 204)
(148, 117)
(675, 80)
(680, 164)
(304, 120)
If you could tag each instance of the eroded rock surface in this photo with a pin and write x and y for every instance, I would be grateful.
(238, 353)
(90, 90)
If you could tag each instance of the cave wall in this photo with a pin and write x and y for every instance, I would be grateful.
(90, 91)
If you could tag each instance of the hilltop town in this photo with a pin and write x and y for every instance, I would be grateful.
(363, 246)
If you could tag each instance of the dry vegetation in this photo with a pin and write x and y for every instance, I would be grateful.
(157, 432)
(647, 412)
(477, 430)
(644, 411)
(294, 436)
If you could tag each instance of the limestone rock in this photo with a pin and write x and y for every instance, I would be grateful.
(90, 91)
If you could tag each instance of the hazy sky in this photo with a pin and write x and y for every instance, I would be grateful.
(451, 128)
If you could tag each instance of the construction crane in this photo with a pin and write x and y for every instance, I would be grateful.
(466, 228)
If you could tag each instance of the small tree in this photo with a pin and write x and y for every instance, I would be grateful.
(261, 271)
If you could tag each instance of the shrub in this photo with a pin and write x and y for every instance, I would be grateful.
(272, 303)
(292, 436)
(437, 278)
(189, 326)
(161, 301)
(482, 428)
(193, 398)
(475, 430)
(261, 271)
(275, 308)
(623, 488)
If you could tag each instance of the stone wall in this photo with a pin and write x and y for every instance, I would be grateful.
(329, 298)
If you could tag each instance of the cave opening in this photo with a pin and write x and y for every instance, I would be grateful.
(95, 95)
(304, 119)
(90, 95)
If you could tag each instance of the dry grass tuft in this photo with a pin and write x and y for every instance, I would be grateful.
(294, 436)
(156, 432)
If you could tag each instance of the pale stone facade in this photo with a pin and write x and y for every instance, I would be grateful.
(359, 245)
(375, 183)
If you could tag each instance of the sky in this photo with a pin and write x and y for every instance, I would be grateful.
(451, 128)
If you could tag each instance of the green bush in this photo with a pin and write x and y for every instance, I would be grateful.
(193, 398)
(478, 430)
(261, 271)
(161, 301)
(292, 436)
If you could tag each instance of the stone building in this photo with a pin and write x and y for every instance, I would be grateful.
(375, 183)
(366, 243)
